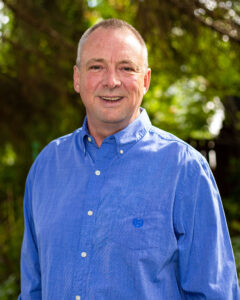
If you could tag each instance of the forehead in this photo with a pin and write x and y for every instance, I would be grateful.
(113, 44)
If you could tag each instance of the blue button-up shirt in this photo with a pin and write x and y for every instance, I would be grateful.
(138, 218)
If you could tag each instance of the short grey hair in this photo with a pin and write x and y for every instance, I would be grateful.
(112, 24)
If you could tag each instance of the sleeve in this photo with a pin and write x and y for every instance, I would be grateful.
(30, 266)
(206, 265)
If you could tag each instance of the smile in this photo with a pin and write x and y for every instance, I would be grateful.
(111, 99)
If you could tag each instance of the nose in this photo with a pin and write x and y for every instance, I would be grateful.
(111, 79)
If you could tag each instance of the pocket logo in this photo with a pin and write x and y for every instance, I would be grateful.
(137, 222)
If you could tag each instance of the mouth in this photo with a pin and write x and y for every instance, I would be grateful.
(111, 98)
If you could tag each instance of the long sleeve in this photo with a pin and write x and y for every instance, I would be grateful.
(206, 263)
(30, 268)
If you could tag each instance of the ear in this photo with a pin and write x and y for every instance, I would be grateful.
(76, 79)
(147, 79)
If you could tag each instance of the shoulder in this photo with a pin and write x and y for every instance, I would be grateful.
(54, 152)
(176, 148)
(61, 143)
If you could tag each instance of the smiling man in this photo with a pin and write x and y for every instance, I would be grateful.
(119, 209)
(111, 76)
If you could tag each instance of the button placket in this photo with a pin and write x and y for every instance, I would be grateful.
(85, 244)
(93, 198)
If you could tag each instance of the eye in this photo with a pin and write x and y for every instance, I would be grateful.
(95, 67)
(128, 69)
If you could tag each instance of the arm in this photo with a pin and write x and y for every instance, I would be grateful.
(30, 267)
(206, 263)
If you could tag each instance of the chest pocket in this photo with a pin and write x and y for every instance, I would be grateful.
(142, 228)
(136, 231)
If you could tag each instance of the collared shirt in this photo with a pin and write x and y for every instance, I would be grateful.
(138, 218)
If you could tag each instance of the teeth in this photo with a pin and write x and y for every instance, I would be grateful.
(111, 98)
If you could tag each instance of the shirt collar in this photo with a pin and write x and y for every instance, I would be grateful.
(135, 130)
(125, 138)
(83, 133)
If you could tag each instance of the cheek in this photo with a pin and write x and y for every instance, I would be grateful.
(137, 86)
(89, 84)
(132, 84)
(92, 81)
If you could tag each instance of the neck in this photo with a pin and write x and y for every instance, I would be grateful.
(99, 134)
(101, 130)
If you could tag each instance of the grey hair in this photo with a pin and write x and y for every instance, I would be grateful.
(112, 24)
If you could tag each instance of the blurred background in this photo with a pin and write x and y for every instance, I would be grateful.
(194, 48)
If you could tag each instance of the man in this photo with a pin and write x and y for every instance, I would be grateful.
(120, 209)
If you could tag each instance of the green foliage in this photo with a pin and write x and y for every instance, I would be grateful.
(232, 204)
(232, 209)
(236, 249)
(11, 185)
(181, 103)
(8, 288)
(192, 66)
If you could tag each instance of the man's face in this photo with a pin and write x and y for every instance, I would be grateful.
(112, 78)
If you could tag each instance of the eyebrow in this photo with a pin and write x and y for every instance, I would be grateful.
(94, 60)
(101, 60)
(127, 62)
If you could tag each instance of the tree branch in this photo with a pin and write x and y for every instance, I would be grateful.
(188, 10)
(22, 14)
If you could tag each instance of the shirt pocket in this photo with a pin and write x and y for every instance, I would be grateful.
(142, 230)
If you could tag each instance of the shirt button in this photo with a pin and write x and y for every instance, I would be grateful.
(89, 139)
(90, 213)
(121, 151)
(84, 254)
(97, 172)
(78, 298)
